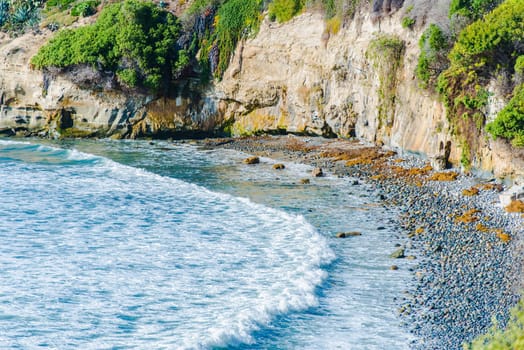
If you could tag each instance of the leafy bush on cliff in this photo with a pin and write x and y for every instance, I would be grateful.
(434, 46)
(85, 8)
(217, 27)
(134, 39)
(62, 4)
(472, 9)
(234, 20)
(342, 9)
(510, 121)
(385, 52)
(284, 10)
(491, 44)
(511, 338)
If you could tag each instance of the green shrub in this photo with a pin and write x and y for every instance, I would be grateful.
(128, 36)
(510, 120)
(472, 9)
(510, 338)
(408, 22)
(62, 4)
(198, 6)
(127, 77)
(386, 52)
(432, 60)
(284, 10)
(342, 9)
(234, 20)
(465, 155)
(493, 39)
(473, 102)
(491, 44)
(85, 8)
(519, 65)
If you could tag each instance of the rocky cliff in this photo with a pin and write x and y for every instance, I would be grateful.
(298, 77)
(47, 103)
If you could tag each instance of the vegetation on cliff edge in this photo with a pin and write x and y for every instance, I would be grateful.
(486, 49)
(510, 120)
(510, 338)
(134, 39)
(385, 52)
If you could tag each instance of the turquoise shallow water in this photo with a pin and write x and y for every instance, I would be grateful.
(134, 245)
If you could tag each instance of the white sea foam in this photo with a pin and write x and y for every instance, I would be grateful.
(110, 255)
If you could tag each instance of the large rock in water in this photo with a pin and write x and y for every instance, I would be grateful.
(348, 234)
(317, 172)
(252, 160)
(398, 254)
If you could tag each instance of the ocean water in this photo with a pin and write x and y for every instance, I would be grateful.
(133, 245)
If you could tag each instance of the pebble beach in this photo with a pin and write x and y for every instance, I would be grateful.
(467, 248)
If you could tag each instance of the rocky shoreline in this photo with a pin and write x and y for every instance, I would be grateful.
(468, 249)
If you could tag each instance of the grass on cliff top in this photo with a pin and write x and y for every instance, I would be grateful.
(134, 39)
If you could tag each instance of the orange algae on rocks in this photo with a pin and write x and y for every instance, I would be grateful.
(358, 156)
(297, 145)
(516, 206)
(378, 177)
(481, 228)
(503, 236)
(411, 172)
(473, 191)
(468, 216)
(444, 176)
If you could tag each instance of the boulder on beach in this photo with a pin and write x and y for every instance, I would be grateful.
(348, 234)
(317, 172)
(252, 160)
(493, 187)
(304, 181)
(279, 166)
(398, 254)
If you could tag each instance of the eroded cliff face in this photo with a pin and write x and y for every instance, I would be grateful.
(298, 77)
(33, 102)
(294, 77)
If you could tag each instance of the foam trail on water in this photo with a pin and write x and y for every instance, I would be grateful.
(96, 254)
